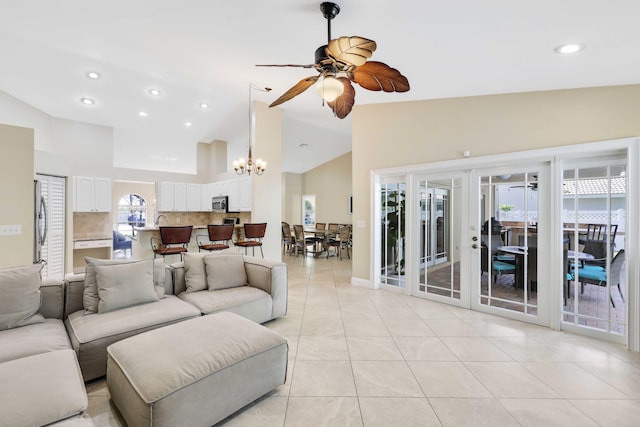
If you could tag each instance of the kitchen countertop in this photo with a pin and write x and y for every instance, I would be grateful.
(195, 227)
(85, 237)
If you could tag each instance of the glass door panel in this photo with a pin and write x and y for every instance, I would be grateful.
(392, 223)
(440, 223)
(594, 212)
(508, 268)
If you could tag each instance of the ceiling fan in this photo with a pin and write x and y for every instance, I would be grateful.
(533, 185)
(340, 62)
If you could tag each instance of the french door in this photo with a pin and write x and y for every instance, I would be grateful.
(476, 240)
(437, 222)
(510, 241)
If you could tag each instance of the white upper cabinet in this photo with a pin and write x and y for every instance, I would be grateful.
(92, 194)
(179, 197)
(240, 194)
(193, 197)
(164, 196)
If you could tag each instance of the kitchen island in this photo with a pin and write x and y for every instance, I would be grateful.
(141, 246)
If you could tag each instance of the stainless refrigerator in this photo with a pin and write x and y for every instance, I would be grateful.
(40, 222)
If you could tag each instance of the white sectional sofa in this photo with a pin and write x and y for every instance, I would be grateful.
(40, 380)
(113, 300)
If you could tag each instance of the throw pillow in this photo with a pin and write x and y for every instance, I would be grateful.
(125, 285)
(20, 296)
(225, 271)
(195, 275)
(90, 293)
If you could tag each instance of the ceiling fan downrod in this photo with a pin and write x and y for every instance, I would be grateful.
(329, 11)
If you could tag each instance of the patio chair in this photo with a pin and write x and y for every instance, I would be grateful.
(597, 275)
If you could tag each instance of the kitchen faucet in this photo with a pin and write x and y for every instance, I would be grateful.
(157, 223)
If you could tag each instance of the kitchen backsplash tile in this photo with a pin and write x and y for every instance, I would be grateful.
(92, 225)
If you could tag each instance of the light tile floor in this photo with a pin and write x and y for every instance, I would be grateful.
(361, 357)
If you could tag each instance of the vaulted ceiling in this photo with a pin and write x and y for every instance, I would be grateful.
(204, 51)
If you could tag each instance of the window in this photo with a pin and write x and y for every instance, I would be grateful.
(308, 209)
(132, 213)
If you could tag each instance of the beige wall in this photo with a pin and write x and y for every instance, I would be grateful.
(267, 188)
(392, 135)
(331, 184)
(16, 193)
(292, 198)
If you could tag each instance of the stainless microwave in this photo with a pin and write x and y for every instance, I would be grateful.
(220, 204)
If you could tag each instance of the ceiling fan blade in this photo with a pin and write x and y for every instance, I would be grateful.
(296, 90)
(343, 104)
(376, 76)
(351, 50)
(287, 65)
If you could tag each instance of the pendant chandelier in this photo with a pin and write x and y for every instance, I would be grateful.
(248, 166)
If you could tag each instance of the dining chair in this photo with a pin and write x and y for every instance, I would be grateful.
(301, 242)
(218, 237)
(333, 226)
(288, 240)
(253, 235)
(597, 275)
(598, 232)
(341, 241)
(498, 268)
(174, 240)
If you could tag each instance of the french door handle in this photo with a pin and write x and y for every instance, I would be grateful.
(474, 246)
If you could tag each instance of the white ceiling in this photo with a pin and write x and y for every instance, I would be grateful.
(204, 51)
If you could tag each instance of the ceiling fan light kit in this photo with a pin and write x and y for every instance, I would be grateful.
(340, 62)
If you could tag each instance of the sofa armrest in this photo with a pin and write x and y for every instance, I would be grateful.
(74, 284)
(271, 277)
(178, 283)
(52, 299)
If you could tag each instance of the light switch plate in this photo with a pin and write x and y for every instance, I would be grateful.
(10, 230)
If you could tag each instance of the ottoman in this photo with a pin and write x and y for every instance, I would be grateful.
(195, 372)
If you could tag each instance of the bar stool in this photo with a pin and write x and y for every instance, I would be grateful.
(253, 235)
(173, 241)
(219, 236)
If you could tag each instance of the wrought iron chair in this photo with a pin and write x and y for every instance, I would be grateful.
(173, 240)
(218, 237)
(253, 235)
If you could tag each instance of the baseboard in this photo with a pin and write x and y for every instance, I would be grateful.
(363, 283)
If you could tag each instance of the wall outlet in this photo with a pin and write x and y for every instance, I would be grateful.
(10, 230)
(178, 220)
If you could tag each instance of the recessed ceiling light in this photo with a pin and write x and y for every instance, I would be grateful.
(204, 105)
(188, 124)
(87, 101)
(154, 92)
(93, 75)
(569, 48)
(143, 114)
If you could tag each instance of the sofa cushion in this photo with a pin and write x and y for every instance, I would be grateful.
(195, 275)
(90, 293)
(249, 302)
(125, 285)
(225, 271)
(33, 339)
(41, 389)
(20, 296)
(90, 334)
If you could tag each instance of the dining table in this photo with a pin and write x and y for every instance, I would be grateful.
(521, 251)
(322, 245)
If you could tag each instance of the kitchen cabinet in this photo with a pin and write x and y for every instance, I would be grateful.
(177, 197)
(164, 196)
(206, 193)
(240, 194)
(92, 194)
(193, 197)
